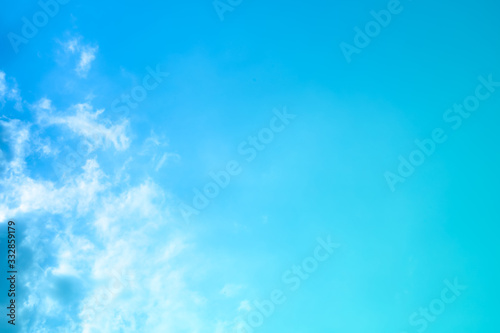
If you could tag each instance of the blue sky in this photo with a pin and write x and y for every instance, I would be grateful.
(114, 116)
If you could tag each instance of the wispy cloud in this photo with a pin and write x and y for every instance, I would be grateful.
(24, 194)
(156, 146)
(85, 122)
(126, 234)
(86, 55)
(96, 229)
(98, 244)
(16, 134)
(3, 85)
(165, 158)
(10, 92)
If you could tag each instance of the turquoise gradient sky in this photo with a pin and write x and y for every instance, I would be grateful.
(117, 207)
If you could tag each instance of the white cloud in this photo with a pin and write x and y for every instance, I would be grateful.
(3, 85)
(17, 135)
(24, 194)
(72, 45)
(164, 158)
(85, 122)
(44, 104)
(21, 193)
(86, 55)
(139, 240)
(155, 145)
(10, 92)
(26, 198)
(116, 243)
